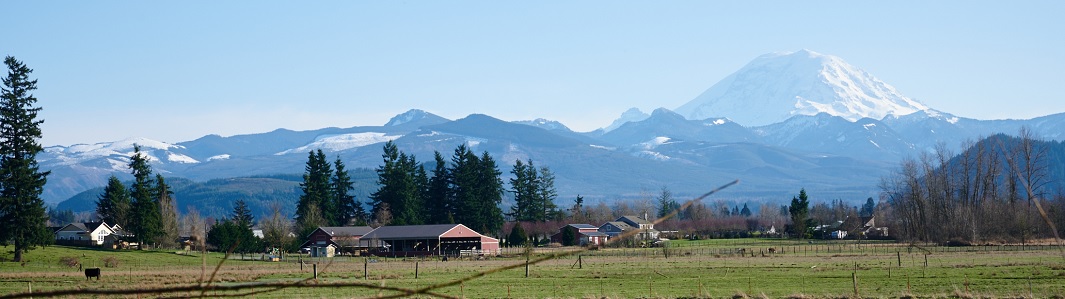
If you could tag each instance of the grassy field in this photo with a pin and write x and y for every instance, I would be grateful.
(700, 269)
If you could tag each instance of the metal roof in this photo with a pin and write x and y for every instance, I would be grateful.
(430, 231)
(583, 226)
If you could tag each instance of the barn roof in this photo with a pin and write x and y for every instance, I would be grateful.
(410, 231)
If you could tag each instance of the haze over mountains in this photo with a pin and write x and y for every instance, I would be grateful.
(783, 122)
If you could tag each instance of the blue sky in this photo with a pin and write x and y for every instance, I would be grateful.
(175, 71)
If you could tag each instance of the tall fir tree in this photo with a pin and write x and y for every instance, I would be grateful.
(114, 205)
(168, 215)
(489, 195)
(438, 200)
(242, 214)
(22, 212)
(800, 210)
(666, 203)
(464, 180)
(314, 207)
(523, 188)
(400, 187)
(348, 208)
(546, 194)
(146, 223)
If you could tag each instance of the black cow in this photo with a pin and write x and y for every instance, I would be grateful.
(92, 272)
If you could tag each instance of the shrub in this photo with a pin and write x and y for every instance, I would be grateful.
(110, 261)
(69, 261)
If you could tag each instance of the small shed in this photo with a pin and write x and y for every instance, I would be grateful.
(422, 240)
(327, 241)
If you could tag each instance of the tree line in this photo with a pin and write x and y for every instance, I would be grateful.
(990, 192)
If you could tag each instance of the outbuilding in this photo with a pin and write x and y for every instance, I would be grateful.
(326, 241)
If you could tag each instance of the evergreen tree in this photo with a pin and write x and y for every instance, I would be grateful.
(401, 187)
(314, 207)
(666, 203)
(746, 212)
(579, 216)
(59, 218)
(523, 187)
(534, 193)
(242, 214)
(546, 194)
(463, 176)
(146, 223)
(228, 235)
(168, 213)
(489, 194)
(347, 207)
(568, 237)
(868, 208)
(114, 205)
(438, 201)
(799, 210)
(517, 236)
(22, 212)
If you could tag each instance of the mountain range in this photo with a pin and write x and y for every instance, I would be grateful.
(783, 122)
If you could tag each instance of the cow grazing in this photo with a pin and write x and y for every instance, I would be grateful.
(92, 272)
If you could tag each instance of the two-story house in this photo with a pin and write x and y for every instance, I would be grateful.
(84, 234)
(645, 230)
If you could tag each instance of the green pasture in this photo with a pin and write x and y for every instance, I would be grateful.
(682, 269)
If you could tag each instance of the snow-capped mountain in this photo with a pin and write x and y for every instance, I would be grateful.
(777, 86)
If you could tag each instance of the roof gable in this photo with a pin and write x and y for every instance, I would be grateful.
(633, 220)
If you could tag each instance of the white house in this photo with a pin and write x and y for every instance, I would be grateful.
(92, 232)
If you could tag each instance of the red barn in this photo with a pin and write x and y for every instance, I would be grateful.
(435, 239)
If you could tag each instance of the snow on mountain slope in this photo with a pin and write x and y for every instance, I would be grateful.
(777, 86)
(545, 124)
(406, 117)
(78, 153)
(335, 143)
